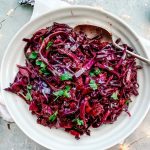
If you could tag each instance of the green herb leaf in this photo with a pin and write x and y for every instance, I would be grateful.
(44, 71)
(42, 37)
(64, 93)
(33, 55)
(78, 121)
(67, 88)
(43, 65)
(29, 87)
(92, 74)
(28, 96)
(38, 62)
(97, 71)
(93, 85)
(47, 73)
(66, 76)
(127, 102)
(49, 45)
(115, 95)
(110, 68)
(59, 93)
(53, 117)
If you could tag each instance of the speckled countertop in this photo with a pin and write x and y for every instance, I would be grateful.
(135, 12)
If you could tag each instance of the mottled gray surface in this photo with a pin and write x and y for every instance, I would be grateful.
(135, 12)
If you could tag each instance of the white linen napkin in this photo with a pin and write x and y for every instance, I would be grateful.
(43, 6)
(40, 7)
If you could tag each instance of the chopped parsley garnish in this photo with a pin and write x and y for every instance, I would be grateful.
(95, 72)
(92, 74)
(59, 93)
(42, 37)
(64, 92)
(93, 85)
(44, 71)
(29, 87)
(127, 102)
(53, 116)
(67, 88)
(49, 45)
(43, 68)
(40, 63)
(66, 76)
(43, 65)
(78, 121)
(110, 68)
(28, 95)
(115, 95)
(33, 55)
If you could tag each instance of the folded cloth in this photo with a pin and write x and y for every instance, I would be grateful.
(43, 6)
(3, 111)
(40, 7)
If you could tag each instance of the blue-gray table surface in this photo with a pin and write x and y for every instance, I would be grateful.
(135, 12)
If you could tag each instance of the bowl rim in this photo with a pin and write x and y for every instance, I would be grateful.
(53, 11)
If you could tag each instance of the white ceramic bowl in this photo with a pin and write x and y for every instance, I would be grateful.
(56, 139)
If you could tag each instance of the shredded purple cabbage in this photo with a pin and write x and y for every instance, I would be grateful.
(72, 82)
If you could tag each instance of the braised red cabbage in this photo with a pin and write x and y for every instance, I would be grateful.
(73, 82)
